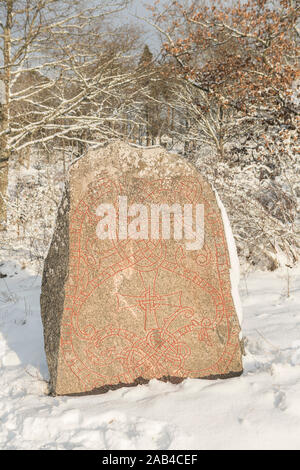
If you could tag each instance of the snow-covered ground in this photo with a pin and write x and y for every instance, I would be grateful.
(260, 410)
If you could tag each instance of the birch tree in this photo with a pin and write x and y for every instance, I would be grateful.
(51, 76)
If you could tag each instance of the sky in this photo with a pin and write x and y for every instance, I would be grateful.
(138, 8)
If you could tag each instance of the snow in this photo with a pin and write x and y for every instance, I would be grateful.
(234, 261)
(259, 410)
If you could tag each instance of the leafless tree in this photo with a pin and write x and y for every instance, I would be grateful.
(59, 75)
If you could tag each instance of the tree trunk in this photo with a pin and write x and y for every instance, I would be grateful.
(3, 189)
(5, 115)
(4, 161)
